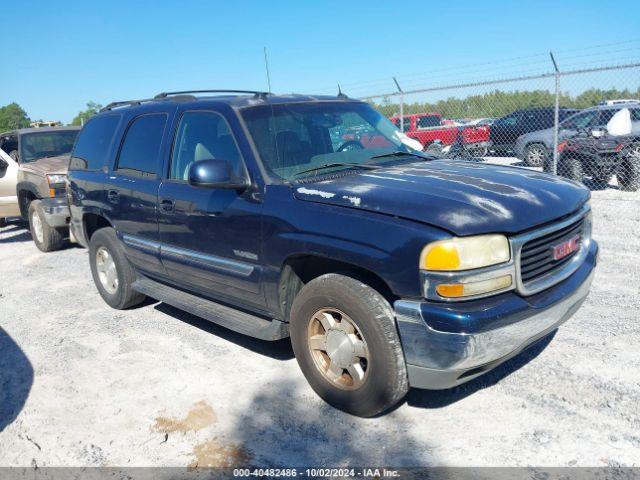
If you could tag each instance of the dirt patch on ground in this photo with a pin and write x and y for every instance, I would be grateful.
(214, 454)
(200, 416)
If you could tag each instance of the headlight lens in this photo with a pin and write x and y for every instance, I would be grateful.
(465, 253)
(56, 179)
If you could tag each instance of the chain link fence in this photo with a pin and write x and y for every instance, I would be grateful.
(582, 124)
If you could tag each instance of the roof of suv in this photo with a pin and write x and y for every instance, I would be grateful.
(21, 131)
(614, 106)
(242, 100)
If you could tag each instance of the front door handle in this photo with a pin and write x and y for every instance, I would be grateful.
(167, 206)
(113, 196)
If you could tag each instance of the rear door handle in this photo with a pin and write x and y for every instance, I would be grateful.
(113, 196)
(167, 206)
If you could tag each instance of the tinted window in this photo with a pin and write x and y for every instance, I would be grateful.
(582, 120)
(635, 114)
(91, 148)
(406, 124)
(511, 119)
(428, 121)
(605, 116)
(141, 147)
(203, 136)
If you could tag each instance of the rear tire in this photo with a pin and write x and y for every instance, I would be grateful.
(46, 238)
(112, 272)
(535, 155)
(335, 320)
(3, 222)
(629, 172)
(571, 168)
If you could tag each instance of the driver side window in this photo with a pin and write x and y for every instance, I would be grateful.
(203, 136)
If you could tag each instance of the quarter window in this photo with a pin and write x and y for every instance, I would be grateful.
(92, 145)
(203, 136)
(140, 150)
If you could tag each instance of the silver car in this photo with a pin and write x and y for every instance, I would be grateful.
(535, 148)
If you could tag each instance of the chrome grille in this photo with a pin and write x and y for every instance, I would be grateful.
(536, 257)
(536, 268)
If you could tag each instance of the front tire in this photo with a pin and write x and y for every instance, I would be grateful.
(629, 171)
(112, 272)
(571, 168)
(344, 337)
(46, 238)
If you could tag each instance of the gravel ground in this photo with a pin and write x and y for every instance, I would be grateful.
(83, 385)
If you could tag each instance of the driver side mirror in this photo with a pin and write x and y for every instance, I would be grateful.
(215, 173)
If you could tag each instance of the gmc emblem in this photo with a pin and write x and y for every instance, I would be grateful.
(566, 248)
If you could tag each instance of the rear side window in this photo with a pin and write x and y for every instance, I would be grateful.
(140, 149)
(92, 145)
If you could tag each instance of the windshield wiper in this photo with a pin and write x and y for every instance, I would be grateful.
(338, 164)
(400, 153)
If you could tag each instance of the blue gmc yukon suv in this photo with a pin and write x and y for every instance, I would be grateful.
(308, 217)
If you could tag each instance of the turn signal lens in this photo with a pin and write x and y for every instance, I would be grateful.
(465, 253)
(457, 290)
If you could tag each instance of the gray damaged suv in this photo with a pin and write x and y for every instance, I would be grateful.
(536, 148)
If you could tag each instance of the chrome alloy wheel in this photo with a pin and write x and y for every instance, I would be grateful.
(338, 348)
(536, 155)
(107, 272)
(36, 224)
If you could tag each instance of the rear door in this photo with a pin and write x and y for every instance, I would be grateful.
(210, 237)
(132, 190)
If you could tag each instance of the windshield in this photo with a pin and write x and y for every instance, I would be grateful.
(293, 139)
(46, 144)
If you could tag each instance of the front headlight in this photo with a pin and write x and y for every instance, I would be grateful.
(56, 179)
(465, 253)
(467, 267)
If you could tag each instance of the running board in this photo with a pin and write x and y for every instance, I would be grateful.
(227, 317)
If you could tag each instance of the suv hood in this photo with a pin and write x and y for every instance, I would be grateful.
(48, 165)
(462, 197)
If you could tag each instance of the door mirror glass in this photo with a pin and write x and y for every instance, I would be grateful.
(214, 173)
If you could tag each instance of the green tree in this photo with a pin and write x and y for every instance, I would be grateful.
(82, 117)
(13, 116)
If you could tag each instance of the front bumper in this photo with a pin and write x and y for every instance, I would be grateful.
(471, 338)
(56, 211)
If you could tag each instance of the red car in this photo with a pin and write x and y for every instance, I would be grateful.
(428, 128)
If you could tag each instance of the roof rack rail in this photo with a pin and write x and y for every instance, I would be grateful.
(258, 94)
(124, 103)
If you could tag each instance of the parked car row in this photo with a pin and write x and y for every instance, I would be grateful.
(429, 128)
(33, 168)
(312, 218)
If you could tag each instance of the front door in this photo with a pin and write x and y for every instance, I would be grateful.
(210, 237)
(132, 191)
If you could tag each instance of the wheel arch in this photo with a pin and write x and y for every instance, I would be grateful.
(26, 192)
(92, 222)
(299, 269)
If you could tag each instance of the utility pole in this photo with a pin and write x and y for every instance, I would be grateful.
(556, 118)
(266, 66)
